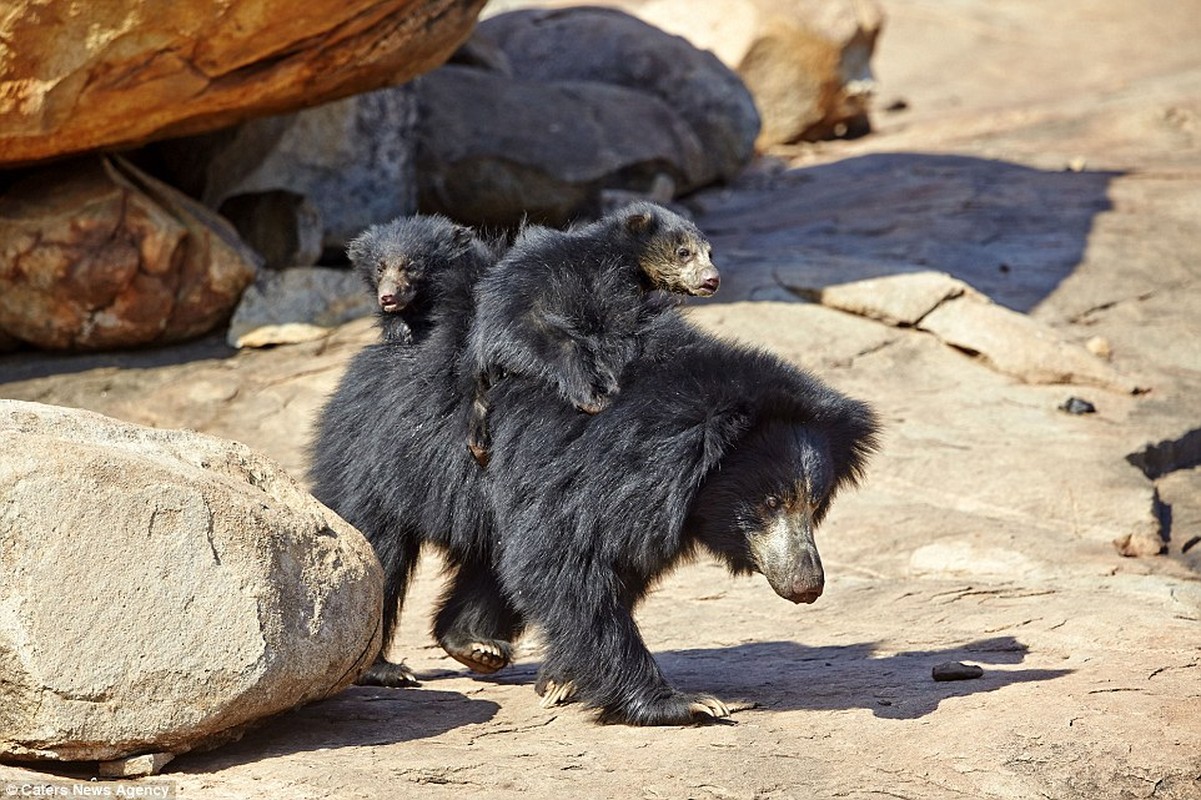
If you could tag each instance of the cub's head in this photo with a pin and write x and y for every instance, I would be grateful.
(395, 258)
(674, 255)
(759, 508)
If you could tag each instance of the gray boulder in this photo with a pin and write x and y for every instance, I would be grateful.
(164, 589)
(298, 305)
(352, 159)
(605, 45)
(546, 111)
(496, 150)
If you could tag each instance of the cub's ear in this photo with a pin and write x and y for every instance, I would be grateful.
(359, 249)
(462, 235)
(639, 221)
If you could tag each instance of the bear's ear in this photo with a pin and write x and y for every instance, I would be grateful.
(462, 235)
(358, 250)
(639, 221)
(853, 434)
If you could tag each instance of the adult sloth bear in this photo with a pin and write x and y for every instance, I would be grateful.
(710, 446)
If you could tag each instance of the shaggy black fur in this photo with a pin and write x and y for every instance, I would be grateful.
(566, 307)
(401, 262)
(388, 456)
(710, 446)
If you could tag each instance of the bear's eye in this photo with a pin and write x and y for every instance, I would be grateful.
(772, 502)
(379, 268)
(683, 253)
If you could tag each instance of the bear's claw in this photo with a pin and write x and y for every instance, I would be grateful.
(555, 693)
(707, 704)
(385, 673)
(482, 657)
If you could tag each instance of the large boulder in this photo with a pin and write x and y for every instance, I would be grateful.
(164, 589)
(95, 254)
(351, 159)
(547, 116)
(497, 151)
(807, 62)
(80, 76)
(605, 45)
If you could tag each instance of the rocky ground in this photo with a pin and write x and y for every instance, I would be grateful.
(1050, 157)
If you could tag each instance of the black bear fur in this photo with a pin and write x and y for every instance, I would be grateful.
(566, 307)
(383, 457)
(403, 261)
(711, 446)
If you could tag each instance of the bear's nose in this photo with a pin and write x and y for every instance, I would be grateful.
(710, 279)
(805, 593)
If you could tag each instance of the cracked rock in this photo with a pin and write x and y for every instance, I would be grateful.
(164, 589)
(1004, 340)
(97, 255)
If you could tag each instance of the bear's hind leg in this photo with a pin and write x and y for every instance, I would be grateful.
(385, 673)
(475, 624)
(398, 553)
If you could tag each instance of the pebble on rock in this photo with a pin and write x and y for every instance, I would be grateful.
(956, 671)
(1076, 405)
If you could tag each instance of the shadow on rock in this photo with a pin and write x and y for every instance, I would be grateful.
(789, 676)
(1010, 231)
(792, 676)
(360, 716)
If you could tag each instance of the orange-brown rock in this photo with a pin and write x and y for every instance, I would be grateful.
(80, 76)
(96, 255)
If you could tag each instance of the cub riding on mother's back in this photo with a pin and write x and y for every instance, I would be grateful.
(571, 308)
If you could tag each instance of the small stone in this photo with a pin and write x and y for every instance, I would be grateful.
(1100, 347)
(135, 766)
(956, 671)
(1076, 405)
(1077, 164)
(1141, 543)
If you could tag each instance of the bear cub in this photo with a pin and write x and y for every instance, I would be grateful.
(402, 263)
(568, 308)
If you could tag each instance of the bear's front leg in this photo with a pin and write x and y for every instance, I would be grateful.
(595, 653)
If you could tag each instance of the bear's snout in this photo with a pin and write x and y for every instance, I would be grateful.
(787, 556)
(804, 592)
(707, 282)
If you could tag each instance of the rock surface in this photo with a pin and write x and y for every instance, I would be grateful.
(609, 46)
(486, 158)
(963, 318)
(352, 159)
(195, 590)
(806, 62)
(79, 77)
(95, 255)
(298, 305)
(281, 226)
(546, 116)
(984, 532)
